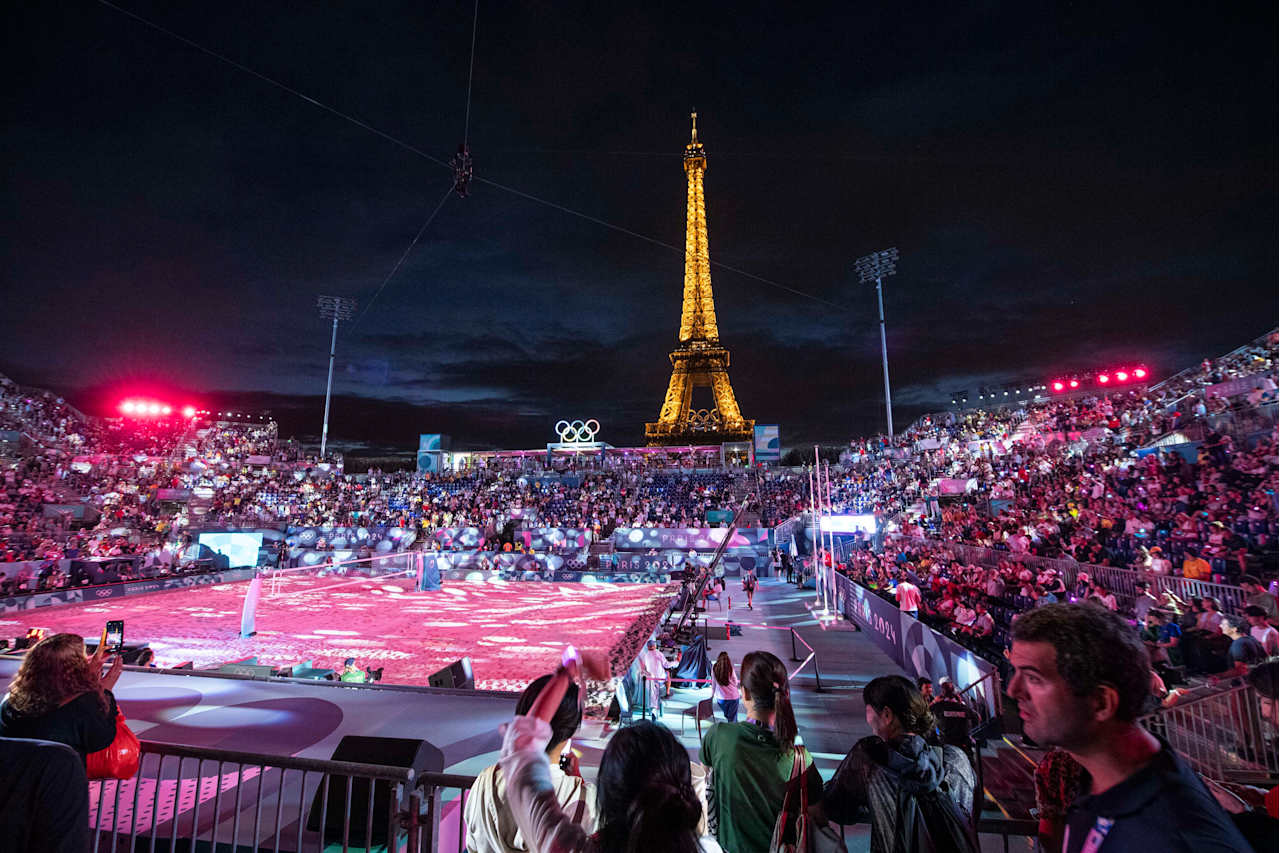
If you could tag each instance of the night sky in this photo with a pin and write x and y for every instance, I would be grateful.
(1069, 185)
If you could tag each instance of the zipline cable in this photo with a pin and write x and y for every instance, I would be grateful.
(471, 72)
(415, 150)
(310, 100)
(395, 269)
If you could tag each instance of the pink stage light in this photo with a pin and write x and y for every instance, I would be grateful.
(1058, 386)
(1122, 376)
(188, 411)
(1140, 373)
(127, 407)
(153, 409)
(1103, 379)
(1074, 383)
(168, 410)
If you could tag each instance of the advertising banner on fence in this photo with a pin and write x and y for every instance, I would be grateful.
(877, 617)
(102, 593)
(914, 646)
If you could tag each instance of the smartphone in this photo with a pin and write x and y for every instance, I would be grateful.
(115, 636)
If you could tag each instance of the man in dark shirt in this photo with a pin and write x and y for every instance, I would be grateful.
(1244, 651)
(1081, 680)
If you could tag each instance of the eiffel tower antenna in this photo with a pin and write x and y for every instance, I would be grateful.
(698, 359)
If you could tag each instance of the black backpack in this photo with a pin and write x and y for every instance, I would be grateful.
(931, 822)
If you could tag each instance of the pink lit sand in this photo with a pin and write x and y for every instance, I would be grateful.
(513, 632)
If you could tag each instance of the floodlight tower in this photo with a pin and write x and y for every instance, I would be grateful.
(335, 308)
(876, 267)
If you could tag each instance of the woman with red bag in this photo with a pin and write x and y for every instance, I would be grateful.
(60, 694)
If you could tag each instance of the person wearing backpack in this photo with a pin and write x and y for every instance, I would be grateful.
(915, 792)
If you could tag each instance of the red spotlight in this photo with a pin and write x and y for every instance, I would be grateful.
(1140, 373)
(1058, 386)
(153, 409)
(1103, 379)
(188, 411)
(127, 407)
(1122, 376)
(1074, 383)
(168, 410)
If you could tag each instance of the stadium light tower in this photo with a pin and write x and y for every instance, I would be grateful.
(876, 267)
(335, 308)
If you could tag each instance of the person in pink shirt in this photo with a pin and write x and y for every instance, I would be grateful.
(908, 597)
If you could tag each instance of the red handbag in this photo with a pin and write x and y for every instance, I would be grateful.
(120, 760)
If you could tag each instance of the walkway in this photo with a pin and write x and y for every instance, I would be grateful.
(830, 722)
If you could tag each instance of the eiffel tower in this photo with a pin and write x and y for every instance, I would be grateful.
(698, 361)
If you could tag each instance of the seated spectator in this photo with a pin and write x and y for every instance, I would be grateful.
(1144, 601)
(1258, 596)
(352, 673)
(1245, 651)
(902, 756)
(491, 827)
(1194, 567)
(1160, 564)
(1168, 638)
(60, 694)
(962, 623)
(1261, 630)
(1101, 596)
(983, 625)
(1081, 680)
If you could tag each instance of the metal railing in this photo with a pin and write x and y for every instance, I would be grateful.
(1121, 582)
(185, 797)
(1222, 733)
(813, 656)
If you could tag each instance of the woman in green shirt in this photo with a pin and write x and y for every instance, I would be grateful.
(751, 762)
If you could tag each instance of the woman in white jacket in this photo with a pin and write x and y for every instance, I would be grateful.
(645, 800)
(491, 827)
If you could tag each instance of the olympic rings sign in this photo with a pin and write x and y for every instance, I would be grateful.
(578, 432)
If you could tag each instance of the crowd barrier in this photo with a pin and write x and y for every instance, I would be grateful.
(1120, 582)
(186, 797)
(81, 595)
(1222, 733)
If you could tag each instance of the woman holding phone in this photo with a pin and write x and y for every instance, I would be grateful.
(645, 799)
(60, 694)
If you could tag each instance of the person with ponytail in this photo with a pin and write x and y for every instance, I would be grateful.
(645, 799)
(900, 778)
(752, 762)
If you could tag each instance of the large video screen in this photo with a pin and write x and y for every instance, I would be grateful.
(849, 524)
(240, 549)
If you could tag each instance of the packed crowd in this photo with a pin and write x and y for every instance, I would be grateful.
(1057, 478)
